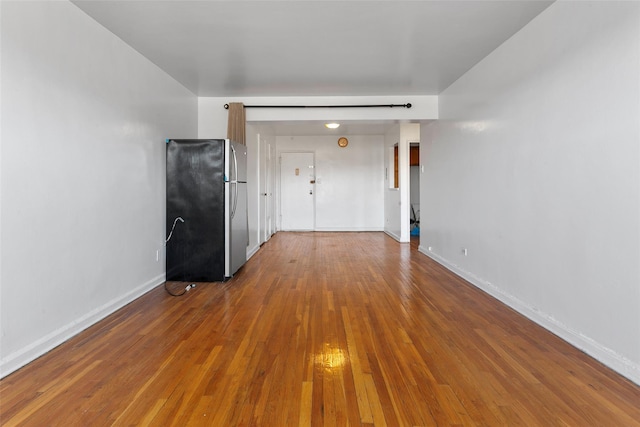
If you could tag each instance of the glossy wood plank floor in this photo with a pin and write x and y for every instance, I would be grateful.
(320, 329)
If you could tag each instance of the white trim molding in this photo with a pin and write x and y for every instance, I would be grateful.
(22, 357)
(606, 356)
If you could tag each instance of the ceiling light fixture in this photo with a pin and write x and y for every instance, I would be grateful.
(332, 125)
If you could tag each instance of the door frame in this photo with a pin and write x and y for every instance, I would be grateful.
(267, 211)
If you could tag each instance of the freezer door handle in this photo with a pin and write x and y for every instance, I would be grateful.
(234, 181)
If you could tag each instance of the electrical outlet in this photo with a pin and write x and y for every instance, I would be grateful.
(157, 255)
(464, 251)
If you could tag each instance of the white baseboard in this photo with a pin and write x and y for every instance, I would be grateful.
(348, 229)
(392, 235)
(252, 251)
(606, 356)
(20, 358)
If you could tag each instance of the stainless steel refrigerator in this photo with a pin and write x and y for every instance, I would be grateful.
(207, 234)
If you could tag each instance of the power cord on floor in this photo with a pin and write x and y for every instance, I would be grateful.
(188, 287)
(184, 291)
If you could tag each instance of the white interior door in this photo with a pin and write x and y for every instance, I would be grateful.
(267, 174)
(268, 193)
(262, 146)
(297, 188)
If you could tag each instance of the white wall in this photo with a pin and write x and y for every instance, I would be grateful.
(534, 167)
(84, 119)
(349, 181)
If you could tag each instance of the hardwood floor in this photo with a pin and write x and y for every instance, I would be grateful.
(320, 329)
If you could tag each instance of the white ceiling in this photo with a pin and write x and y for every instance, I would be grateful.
(307, 47)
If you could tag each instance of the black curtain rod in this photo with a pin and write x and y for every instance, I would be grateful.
(226, 106)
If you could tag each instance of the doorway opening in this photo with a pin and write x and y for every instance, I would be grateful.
(414, 189)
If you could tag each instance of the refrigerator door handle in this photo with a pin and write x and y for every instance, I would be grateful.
(234, 181)
(235, 163)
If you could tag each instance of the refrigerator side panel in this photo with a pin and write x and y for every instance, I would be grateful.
(228, 200)
(228, 192)
(239, 232)
(195, 192)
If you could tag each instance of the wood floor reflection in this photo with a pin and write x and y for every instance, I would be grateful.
(318, 329)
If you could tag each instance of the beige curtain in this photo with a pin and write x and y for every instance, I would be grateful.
(237, 122)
